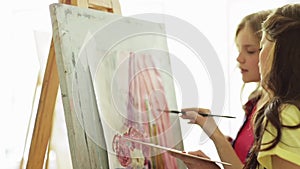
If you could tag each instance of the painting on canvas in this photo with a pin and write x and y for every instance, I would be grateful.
(128, 64)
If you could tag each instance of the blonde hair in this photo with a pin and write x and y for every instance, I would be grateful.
(265, 73)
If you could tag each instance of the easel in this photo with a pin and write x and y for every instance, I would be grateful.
(44, 118)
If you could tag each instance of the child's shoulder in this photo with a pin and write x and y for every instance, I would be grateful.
(290, 114)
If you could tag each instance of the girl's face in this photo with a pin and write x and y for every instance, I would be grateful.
(248, 47)
(265, 59)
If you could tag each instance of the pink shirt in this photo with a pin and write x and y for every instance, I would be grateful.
(244, 140)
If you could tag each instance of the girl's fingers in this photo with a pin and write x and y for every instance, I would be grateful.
(198, 153)
(191, 115)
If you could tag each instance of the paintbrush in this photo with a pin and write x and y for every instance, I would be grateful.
(200, 113)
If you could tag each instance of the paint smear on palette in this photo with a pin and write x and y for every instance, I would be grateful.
(144, 120)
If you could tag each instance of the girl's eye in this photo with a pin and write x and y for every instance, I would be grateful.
(251, 52)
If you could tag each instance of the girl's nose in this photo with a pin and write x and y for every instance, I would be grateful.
(240, 58)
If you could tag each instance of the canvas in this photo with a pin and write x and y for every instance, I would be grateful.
(116, 80)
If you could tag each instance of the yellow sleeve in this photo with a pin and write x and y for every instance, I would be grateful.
(289, 146)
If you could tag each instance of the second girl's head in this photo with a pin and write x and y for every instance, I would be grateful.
(280, 55)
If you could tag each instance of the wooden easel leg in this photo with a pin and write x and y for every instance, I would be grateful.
(44, 117)
(43, 123)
